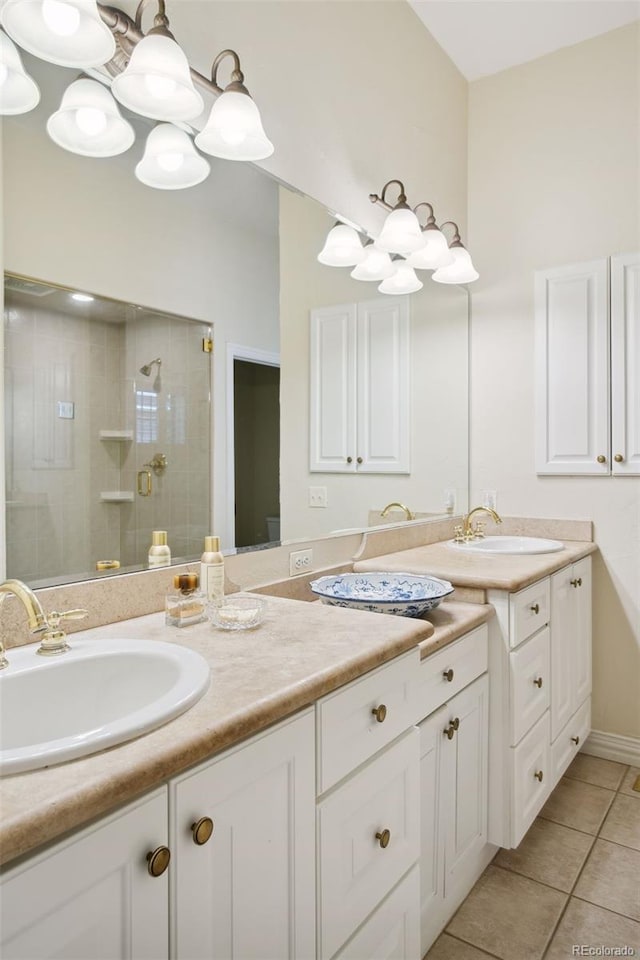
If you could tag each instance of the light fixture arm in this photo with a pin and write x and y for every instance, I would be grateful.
(456, 242)
(237, 76)
(382, 202)
(431, 220)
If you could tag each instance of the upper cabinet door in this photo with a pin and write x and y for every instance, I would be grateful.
(625, 364)
(332, 442)
(572, 370)
(383, 408)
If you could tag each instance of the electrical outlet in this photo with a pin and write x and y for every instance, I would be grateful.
(300, 561)
(317, 496)
(489, 498)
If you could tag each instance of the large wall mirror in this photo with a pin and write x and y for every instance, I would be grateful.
(235, 256)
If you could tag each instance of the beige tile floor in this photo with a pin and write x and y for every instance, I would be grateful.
(574, 881)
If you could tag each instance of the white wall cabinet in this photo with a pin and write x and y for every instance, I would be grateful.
(540, 668)
(453, 781)
(92, 895)
(360, 390)
(587, 324)
(248, 892)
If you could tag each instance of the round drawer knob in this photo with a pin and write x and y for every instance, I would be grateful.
(359, 459)
(158, 861)
(349, 459)
(448, 675)
(619, 458)
(539, 775)
(538, 682)
(535, 608)
(202, 830)
(383, 837)
(575, 740)
(380, 713)
(451, 729)
(601, 459)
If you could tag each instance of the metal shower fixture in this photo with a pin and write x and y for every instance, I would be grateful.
(146, 369)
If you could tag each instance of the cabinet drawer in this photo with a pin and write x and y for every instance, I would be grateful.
(564, 747)
(532, 778)
(528, 611)
(355, 871)
(446, 672)
(392, 931)
(530, 683)
(348, 730)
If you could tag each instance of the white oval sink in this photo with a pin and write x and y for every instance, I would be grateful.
(100, 693)
(512, 545)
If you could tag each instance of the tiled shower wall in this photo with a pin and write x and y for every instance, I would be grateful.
(57, 465)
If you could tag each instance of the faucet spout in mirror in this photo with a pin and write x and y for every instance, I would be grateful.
(400, 506)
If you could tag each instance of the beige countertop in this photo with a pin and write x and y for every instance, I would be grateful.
(486, 571)
(300, 652)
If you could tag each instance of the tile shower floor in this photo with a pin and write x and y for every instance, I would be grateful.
(572, 887)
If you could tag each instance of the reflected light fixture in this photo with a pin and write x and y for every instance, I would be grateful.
(89, 122)
(170, 160)
(19, 92)
(402, 280)
(462, 269)
(148, 73)
(342, 248)
(70, 33)
(377, 264)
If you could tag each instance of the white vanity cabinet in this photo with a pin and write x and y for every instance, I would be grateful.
(359, 387)
(453, 689)
(368, 819)
(540, 668)
(92, 895)
(242, 835)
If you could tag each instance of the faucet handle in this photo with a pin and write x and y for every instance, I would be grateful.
(54, 640)
(478, 530)
(54, 617)
(458, 533)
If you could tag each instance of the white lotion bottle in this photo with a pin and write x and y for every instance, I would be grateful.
(159, 552)
(212, 570)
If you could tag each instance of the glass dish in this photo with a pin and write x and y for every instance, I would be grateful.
(238, 611)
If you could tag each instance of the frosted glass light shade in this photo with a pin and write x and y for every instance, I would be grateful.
(234, 129)
(461, 270)
(403, 280)
(19, 93)
(401, 233)
(377, 265)
(89, 122)
(342, 248)
(435, 254)
(157, 83)
(68, 32)
(170, 160)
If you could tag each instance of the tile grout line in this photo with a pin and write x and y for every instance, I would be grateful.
(454, 936)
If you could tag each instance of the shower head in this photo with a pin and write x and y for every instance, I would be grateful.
(146, 369)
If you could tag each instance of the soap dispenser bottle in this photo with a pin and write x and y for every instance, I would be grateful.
(212, 570)
(159, 552)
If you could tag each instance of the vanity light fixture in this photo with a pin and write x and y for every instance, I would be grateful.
(89, 122)
(377, 264)
(170, 161)
(70, 33)
(403, 280)
(342, 248)
(436, 252)
(19, 92)
(401, 232)
(148, 73)
(462, 269)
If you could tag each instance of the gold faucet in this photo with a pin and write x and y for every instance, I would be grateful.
(54, 640)
(468, 532)
(400, 506)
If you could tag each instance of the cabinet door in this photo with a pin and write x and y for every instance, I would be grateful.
(464, 780)
(383, 407)
(431, 836)
(92, 896)
(562, 649)
(332, 437)
(625, 364)
(572, 369)
(248, 893)
(582, 632)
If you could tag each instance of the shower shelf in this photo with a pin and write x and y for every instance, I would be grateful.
(117, 496)
(119, 435)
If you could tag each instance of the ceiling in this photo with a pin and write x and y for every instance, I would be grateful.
(485, 36)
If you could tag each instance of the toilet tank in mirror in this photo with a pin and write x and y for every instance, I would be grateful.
(107, 432)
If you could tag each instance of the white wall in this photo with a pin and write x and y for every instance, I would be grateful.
(553, 179)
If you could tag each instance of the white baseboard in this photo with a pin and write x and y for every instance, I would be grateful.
(612, 746)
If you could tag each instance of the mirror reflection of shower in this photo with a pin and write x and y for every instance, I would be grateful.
(146, 369)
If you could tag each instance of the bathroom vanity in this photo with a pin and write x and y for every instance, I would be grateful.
(335, 793)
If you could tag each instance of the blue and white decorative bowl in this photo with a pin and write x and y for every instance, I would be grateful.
(403, 594)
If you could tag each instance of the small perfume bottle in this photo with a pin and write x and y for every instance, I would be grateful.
(185, 604)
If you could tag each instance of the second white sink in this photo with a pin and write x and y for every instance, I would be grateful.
(100, 693)
(510, 545)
